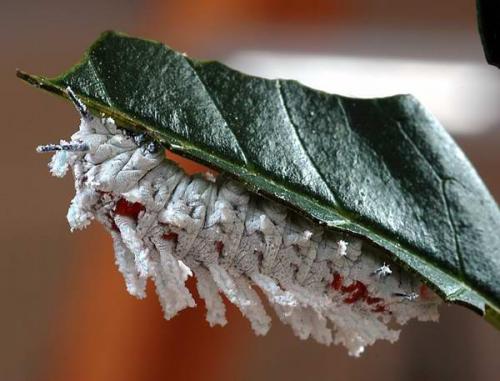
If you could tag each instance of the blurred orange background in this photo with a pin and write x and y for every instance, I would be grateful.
(65, 311)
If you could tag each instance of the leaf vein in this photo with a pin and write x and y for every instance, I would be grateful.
(301, 143)
(442, 182)
(100, 82)
(214, 103)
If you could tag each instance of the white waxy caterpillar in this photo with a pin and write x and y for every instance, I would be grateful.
(168, 226)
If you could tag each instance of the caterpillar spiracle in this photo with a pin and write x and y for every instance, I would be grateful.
(167, 226)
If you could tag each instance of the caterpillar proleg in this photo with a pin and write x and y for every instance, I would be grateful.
(168, 226)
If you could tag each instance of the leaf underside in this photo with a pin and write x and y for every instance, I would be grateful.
(384, 168)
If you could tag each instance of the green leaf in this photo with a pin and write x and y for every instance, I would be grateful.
(381, 168)
(488, 20)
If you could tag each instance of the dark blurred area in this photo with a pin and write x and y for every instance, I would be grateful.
(65, 311)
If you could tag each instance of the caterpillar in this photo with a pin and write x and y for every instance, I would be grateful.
(167, 226)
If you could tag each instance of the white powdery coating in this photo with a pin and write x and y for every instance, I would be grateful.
(167, 226)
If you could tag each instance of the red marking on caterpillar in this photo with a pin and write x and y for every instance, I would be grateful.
(372, 300)
(171, 236)
(380, 308)
(337, 281)
(357, 290)
(219, 246)
(351, 288)
(128, 209)
(424, 291)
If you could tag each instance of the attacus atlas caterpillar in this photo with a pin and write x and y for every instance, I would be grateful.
(167, 226)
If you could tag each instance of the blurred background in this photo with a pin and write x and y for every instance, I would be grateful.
(65, 313)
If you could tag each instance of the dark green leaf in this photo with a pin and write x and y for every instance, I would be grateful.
(381, 168)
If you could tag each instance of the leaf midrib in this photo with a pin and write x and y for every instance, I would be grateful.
(332, 193)
(217, 107)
